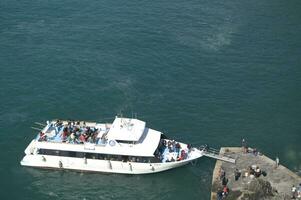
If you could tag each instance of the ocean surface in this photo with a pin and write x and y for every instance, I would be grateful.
(203, 72)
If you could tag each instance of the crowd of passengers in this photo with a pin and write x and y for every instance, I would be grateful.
(173, 147)
(73, 132)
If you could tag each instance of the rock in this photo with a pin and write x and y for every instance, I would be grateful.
(261, 189)
(258, 189)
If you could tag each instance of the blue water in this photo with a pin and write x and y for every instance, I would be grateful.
(201, 71)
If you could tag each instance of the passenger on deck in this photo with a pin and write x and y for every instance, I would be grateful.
(189, 147)
(71, 138)
(162, 146)
(42, 137)
(90, 140)
(70, 128)
(183, 155)
(169, 158)
(164, 143)
(82, 138)
(173, 145)
(177, 147)
(95, 134)
(169, 146)
(86, 136)
(65, 134)
(180, 157)
(58, 123)
(77, 134)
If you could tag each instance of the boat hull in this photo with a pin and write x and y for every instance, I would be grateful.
(106, 166)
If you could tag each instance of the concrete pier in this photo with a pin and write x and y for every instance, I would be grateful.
(275, 185)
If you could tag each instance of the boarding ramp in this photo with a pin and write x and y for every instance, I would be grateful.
(215, 154)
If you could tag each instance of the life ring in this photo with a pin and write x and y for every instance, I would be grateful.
(112, 143)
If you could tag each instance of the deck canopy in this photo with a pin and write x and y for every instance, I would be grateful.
(126, 129)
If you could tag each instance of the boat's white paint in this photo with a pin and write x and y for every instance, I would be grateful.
(108, 166)
(145, 145)
(131, 129)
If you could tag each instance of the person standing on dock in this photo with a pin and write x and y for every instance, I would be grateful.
(277, 162)
(243, 142)
(299, 191)
(294, 192)
(222, 173)
(244, 145)
(237, 174)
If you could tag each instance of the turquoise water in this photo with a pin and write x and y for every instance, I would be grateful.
(200, 71)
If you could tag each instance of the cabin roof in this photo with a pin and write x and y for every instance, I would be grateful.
(126, 129)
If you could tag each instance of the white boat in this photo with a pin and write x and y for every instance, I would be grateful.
(126, 146)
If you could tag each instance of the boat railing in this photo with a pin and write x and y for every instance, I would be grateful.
(215, 154)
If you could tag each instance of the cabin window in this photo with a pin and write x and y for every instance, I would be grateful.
(48, 152)
(125, 142)
(72, 154)
(91, 156)
(124, 158)
(79, 154)
(65, 153)
(98, 156)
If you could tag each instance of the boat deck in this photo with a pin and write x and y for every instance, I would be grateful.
(74, 133)
(94, 134)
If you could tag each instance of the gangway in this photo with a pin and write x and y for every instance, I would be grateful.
(215, 154)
